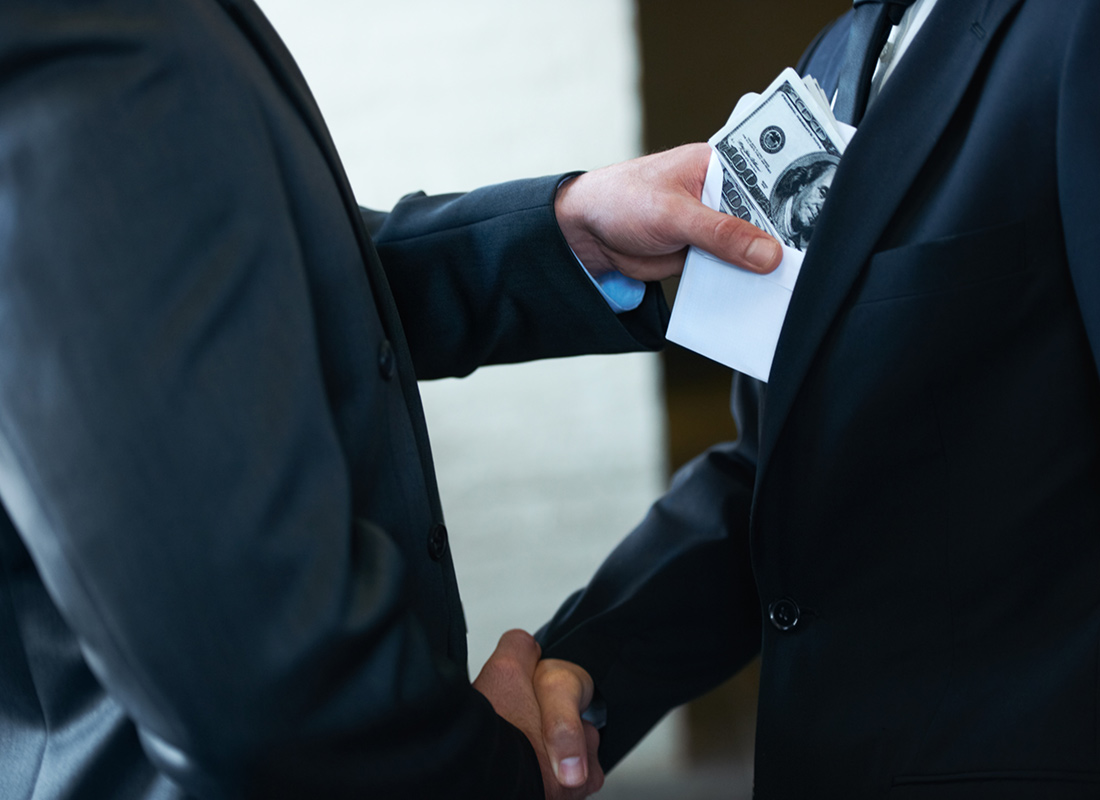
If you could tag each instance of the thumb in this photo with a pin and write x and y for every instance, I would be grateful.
(564, 691)
(729, 238)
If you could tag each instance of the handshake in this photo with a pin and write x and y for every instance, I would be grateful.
(545, 700)
(632, 218)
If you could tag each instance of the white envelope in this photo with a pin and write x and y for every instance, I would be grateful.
(728, 314)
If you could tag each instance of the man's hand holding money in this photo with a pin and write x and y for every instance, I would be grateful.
(639, 218)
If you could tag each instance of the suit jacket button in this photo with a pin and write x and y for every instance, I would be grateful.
(437, 542)
(387, 361)
(784, 613)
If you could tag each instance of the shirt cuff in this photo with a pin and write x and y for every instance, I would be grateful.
(596, 713)
(620, 292)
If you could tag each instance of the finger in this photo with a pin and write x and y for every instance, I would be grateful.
(511, 665)
(696, 161)
(730, 238)
(649, 268)
(519, 647)
(595, 771)
(563, 692)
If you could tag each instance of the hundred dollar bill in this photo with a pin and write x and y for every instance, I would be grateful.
(778, 156)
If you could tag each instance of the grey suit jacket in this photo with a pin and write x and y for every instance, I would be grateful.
(223, 565)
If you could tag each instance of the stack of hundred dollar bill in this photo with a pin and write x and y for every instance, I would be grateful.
(771, 164)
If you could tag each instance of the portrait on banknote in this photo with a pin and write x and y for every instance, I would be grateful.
(798, 195)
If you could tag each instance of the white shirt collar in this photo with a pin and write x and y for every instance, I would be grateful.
(900, 38)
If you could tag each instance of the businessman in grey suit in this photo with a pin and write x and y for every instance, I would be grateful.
(907, 529)
(224, 570)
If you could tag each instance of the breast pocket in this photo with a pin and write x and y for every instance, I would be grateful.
(947, 264)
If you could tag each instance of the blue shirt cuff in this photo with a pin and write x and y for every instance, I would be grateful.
(621, 293)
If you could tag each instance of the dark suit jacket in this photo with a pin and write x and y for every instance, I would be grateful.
(909, 526)
(223, 567)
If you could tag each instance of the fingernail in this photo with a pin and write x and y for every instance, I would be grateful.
(763, 253)
(570, 772)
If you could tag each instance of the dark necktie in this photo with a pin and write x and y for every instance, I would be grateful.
(871, 23)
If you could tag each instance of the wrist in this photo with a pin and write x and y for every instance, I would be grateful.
(569, 210)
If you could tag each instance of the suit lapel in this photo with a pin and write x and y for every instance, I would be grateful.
(894, 140)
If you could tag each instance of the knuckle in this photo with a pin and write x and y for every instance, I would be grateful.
(503, 669)
(736, 234)
(509, 669)
(557, 682)
(521, 641)
(562, 729)
(730, 229)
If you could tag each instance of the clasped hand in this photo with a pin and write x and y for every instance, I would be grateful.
(545, 700)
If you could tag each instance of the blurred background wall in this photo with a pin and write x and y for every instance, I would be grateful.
(544, 467)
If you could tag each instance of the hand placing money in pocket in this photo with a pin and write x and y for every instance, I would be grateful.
(639, 218)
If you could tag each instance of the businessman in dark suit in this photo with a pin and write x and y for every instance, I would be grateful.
(908, 526)
(223, 566)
